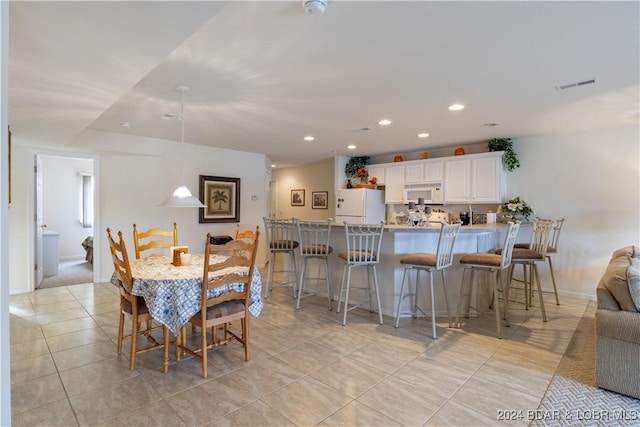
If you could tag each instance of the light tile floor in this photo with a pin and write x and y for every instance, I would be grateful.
(305, 368)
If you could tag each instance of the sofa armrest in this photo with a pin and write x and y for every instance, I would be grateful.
(620, 325)
(606, 301)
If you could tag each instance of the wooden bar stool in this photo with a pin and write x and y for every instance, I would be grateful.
(429, 262)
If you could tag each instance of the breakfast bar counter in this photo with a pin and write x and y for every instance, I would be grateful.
(399, 240)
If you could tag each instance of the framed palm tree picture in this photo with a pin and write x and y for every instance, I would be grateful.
(222, 197)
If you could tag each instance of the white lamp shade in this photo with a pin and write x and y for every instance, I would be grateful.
(182, 198)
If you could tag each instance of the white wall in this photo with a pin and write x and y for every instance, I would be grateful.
(133, 176)
(61, 202)
(312, 177)
(591, 179)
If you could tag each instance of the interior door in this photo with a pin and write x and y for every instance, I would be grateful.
(38, 223)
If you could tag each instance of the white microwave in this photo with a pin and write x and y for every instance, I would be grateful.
(427, 194)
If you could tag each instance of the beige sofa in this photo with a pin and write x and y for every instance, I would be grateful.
(618, 324)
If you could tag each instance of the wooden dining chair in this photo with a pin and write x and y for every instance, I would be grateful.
(226, 286)
(134, 307)
(154, 238)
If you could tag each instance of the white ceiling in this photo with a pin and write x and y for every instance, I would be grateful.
(264, 74)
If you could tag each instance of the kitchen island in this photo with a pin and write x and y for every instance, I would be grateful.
(399, 240)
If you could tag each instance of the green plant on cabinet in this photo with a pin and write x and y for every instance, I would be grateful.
(509, 157)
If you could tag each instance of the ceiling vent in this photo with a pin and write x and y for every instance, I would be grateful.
(578, 84)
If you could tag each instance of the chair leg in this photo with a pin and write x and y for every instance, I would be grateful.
(416, 297)
(369, 268)
(473, 276)
(294, 283)
(120, 332)
(497, 305)
(375, 281)
(446, 299)
(346, 296)
(534, 268)
(203, 343)
(272, 261)
(245, 337)
(461, 294)
(134, 342)
(507, 289)
(553, 280)
(329, 291)
(433, 305)
(301, 284)
(165, 356)
(344, 271)
(404, 277)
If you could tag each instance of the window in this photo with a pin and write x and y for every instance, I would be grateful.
(86, 200)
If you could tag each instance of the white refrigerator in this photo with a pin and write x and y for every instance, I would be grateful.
(360, 206)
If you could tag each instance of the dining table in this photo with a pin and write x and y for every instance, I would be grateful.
(173, 293)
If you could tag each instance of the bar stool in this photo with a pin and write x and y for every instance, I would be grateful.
(314, 244)
(529, 258)
(552, 249)
(281, 240)
(429, 262)
(493, 264)
(363, 250)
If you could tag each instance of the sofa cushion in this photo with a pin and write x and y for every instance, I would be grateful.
(628, 251)
(633, 281)
(615, 280)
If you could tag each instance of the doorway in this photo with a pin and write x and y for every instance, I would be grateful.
(64, 206)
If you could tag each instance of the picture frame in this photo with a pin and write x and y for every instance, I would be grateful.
(320, 200)
(297, 197)
(222, 197)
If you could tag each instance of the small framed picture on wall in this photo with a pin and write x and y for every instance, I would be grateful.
(297, 197)
(319, 200)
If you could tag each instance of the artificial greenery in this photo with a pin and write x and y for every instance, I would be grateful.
(355, 163)
(509, 157)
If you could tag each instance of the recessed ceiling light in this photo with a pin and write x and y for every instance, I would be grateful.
(125, 125)
(169, 116)
(456, 107)
(351, 147)
(488, 125)
(309, 138)
(384, 122)
(273, 166)
(423, 135)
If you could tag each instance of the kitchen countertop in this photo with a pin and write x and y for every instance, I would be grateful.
(476, 228)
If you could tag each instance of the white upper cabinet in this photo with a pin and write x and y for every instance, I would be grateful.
(477, 178)
(378, 172)
(457, 181)
(423, 171)
(487, 180)
(394, 184)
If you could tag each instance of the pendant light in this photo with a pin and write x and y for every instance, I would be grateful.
(182, 197)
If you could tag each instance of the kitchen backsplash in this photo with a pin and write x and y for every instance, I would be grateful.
(395, 212)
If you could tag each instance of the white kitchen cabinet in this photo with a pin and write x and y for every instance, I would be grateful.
(487, 180)
(478, 178)
(423, 171)
(394, 184)
(378, 172)
(457, 181)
